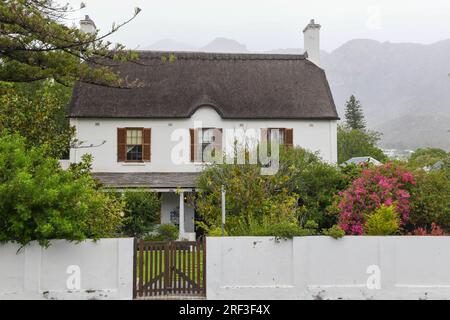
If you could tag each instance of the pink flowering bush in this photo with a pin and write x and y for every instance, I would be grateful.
(386, 185)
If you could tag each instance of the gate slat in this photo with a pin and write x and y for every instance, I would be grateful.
(198, 266)
(150, 276)
(145, 269)
(141, 267)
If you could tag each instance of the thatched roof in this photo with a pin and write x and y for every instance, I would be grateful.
(238, 86)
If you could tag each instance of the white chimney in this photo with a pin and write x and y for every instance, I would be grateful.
(87, 25)
(311, 36)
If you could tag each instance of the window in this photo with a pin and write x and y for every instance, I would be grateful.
(204, 138)
(207, 138)
(281, 134)
(285, 136)
(134, 145)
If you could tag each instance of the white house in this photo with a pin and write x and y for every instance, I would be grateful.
(151, 135)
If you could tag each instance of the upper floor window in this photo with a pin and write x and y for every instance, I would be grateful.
(203, 138)
(285, 136)
(133, 144)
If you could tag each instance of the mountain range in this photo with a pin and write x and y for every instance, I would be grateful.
(404, 88)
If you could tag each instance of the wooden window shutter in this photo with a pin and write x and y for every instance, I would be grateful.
(192, 133)
(289, 137)
(121, 144)
(147, 146)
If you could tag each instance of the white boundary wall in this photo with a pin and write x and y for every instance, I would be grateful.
(105, 269)
(324, 268)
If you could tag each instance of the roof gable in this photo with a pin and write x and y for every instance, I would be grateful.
(238, 86)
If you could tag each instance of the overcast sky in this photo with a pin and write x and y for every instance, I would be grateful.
(271, 24)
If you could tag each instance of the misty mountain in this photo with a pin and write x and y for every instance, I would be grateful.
(224, 45)
(217, 45)
(404, 87)
(170, 45)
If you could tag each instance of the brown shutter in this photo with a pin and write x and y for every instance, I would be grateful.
(121, 144)
(147, 147)
(289, 137)
(191, 132)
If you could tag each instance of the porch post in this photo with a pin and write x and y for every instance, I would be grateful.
(181, 224)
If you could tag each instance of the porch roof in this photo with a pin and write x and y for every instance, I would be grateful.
(147, 179)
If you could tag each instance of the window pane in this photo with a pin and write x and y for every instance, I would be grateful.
(208, 135)
(134, 136)
(134, 152)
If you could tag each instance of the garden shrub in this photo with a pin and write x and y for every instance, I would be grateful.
(252, 200)
(430, 200)
(315, 183)
(300, 191)
(283, 230)
(435, 231)
(142, 212)
(40, 201)
(383, 185)
(335, 232)
(165, 232)
(383, 222)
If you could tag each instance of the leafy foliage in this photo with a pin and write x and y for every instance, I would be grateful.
(335, 232)
(430, 200)
(358, 143)
(165, 232)
(424, 157)
(313, 181)
(261, 201)
(383, 222)
(38, 113)
(435, 231)
(383, 185)
(142, 210)
(295, 196)
(354, 116)
(39, 201)
(36, 44)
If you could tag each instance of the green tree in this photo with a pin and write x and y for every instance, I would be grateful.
(424, 157)
(142, 212)
(358, 143)
(36, 44)
(315, 183)
(253, 201)
(354, 116)
(430, 200)
(295, 198)
(38, 113)
(40, 201)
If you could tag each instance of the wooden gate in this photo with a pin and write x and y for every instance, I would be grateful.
(170, 268)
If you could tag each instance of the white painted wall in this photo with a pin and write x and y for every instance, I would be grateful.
(324, 268)
(313, 135)
(106, 270)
